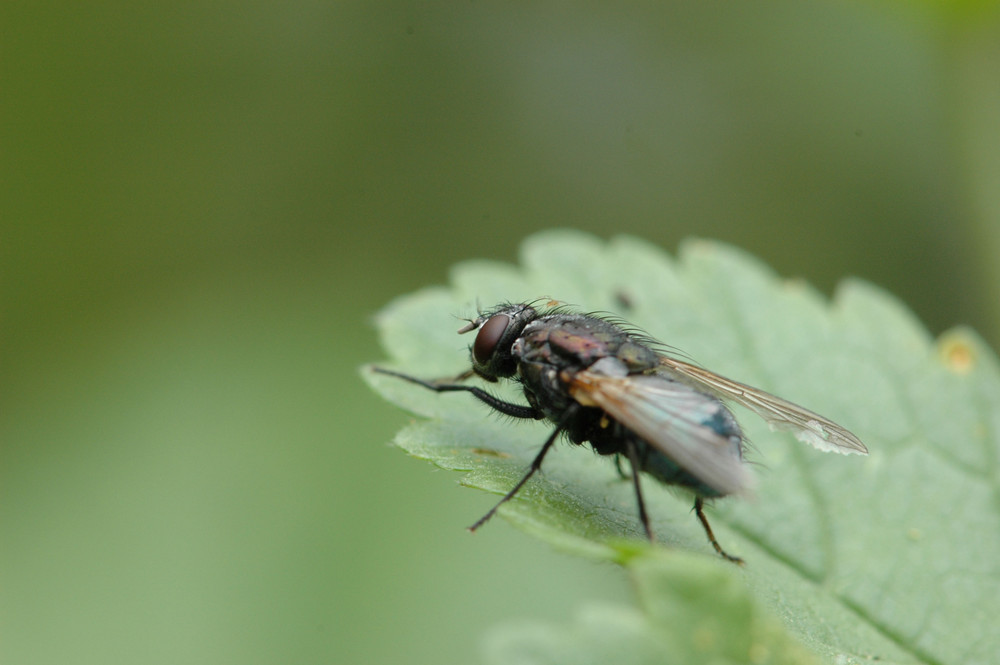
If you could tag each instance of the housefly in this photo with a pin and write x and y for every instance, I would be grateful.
(603, 383)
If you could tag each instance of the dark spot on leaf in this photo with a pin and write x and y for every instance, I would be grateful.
(624, 300)
(490, 453)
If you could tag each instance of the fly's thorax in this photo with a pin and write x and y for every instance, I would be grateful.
(544, 388)
(577, 342)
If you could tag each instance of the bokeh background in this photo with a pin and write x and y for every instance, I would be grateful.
(204, 203)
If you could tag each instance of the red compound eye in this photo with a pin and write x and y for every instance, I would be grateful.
(488, 338)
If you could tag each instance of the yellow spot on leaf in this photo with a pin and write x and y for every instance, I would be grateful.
(957, 354)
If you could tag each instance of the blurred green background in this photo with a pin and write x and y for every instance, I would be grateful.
(203, 204)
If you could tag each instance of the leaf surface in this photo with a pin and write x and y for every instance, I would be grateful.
(894, 557)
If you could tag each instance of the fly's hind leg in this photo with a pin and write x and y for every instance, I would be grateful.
(698, 503)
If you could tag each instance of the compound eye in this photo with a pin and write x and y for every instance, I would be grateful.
(488, 337)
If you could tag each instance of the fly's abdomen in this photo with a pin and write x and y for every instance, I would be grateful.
(664, 469)
(657, 464)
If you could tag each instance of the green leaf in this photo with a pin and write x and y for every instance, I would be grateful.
(895, 556)
(691, 610)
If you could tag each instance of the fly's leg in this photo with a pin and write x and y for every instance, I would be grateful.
(506, 408)
(536, 464)
(618, 467)
(698, 503)
(633, 459)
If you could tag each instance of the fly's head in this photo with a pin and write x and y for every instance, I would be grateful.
(491, 353)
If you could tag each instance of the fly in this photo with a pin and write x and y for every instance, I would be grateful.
(603, 384)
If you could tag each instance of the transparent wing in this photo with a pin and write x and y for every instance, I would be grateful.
(670, 416)
(780, 414)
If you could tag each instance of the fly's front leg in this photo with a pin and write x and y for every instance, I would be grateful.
(506, 408)
(536, 465)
